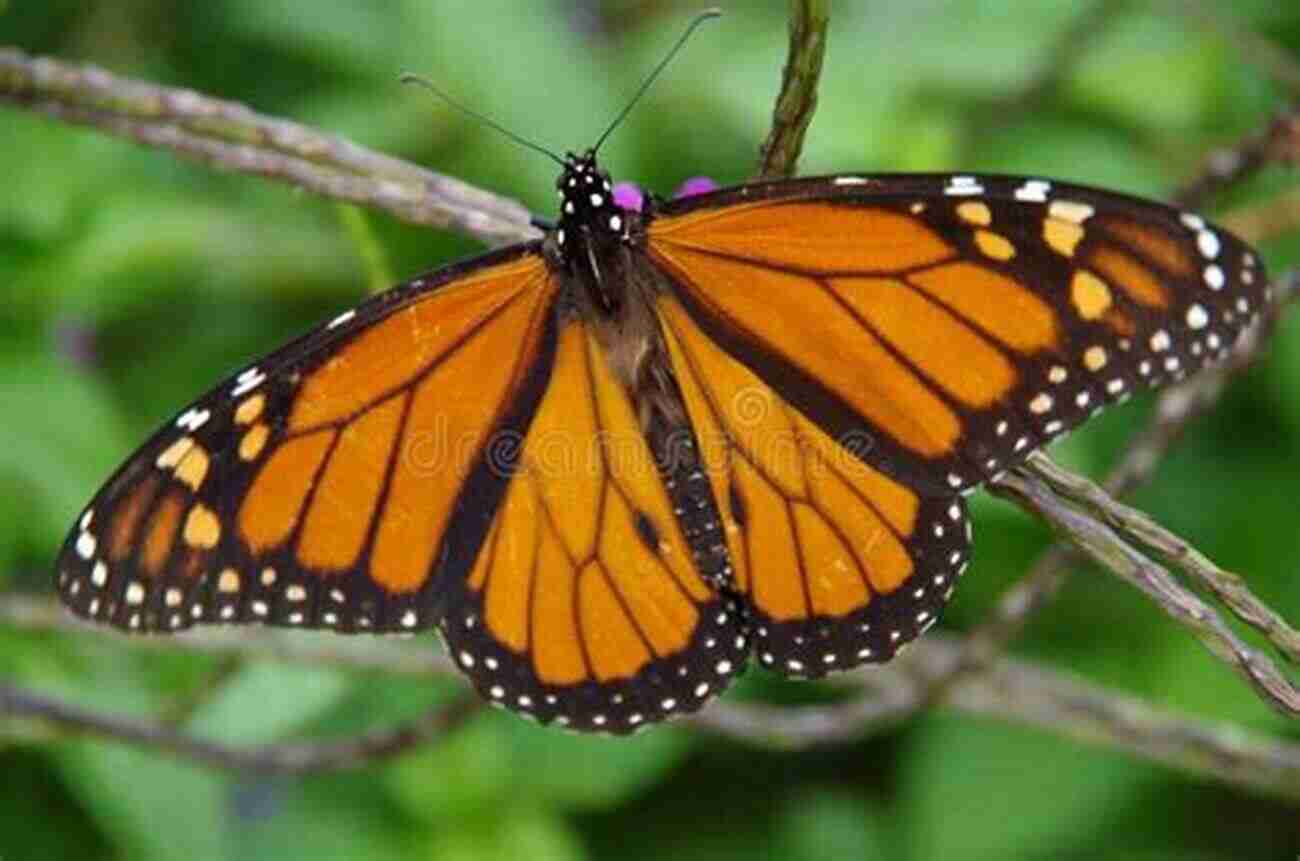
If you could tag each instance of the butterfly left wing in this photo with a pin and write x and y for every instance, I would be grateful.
(326, 486)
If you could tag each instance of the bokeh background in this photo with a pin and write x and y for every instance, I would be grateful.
(130, 280)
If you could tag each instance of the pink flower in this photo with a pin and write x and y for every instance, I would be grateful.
(630, 196)
(695, 185)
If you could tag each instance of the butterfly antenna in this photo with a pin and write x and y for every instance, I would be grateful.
(408, 78)
(706, 15)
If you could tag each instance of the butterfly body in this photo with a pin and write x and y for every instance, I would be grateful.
(610, 465)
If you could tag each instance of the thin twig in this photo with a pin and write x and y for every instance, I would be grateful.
(1010, 690)
(232, 137)
(277, 758)
(1229, 588)
(1020, 693)
(1280, 142)
(1101, 543)
(1176, 408)
(779, 155)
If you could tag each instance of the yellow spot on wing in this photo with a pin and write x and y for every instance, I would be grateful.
(1062, 236)
(975, 212)
(193, 468)
(1094, 358)
(173, 453)
(252, 442)
(228, 581)
(1090, 295)
(250, 409)
(202, 528)
(994, 245)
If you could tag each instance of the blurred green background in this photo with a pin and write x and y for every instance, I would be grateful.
(129, 281)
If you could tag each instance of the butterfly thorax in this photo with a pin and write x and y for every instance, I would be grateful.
(597, 248)
(593, 232)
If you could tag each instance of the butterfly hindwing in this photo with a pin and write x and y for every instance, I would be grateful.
(322, 486)
(585, 607)
(838, 563)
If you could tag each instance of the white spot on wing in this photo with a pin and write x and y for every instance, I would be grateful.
(341, 319)
(963, 186)
(1033, 191)
(1208, 243)
(246, 382)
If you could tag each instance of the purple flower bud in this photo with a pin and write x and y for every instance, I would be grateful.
(695, 185)
(629, 196)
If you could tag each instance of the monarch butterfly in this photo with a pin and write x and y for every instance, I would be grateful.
(610, 465)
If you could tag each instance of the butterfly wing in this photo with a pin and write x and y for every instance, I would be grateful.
(960, 322)
(840, 563)
(335, 483)
(457, 452)
(585, 607)
(860, 349)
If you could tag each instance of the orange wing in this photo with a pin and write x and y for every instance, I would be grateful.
(957, 322)
(856, 351)
(840, 563)
(585, 607)
(331, 484)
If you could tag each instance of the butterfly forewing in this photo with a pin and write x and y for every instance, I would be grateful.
(318, 487)
(958, 322)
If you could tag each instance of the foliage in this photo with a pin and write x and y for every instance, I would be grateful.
(130, 280)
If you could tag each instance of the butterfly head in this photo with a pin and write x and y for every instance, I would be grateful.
(587, 208)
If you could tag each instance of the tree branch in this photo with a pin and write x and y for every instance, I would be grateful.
(1280, 142)
(1023, 694)
(278, 758)
(1009, 690)
(230, 136)
(1100, 543)
(1227, 587)
(779, 155)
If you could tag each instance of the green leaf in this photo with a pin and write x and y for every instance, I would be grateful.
(976, 789)
(830, 823)
(265, 701)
